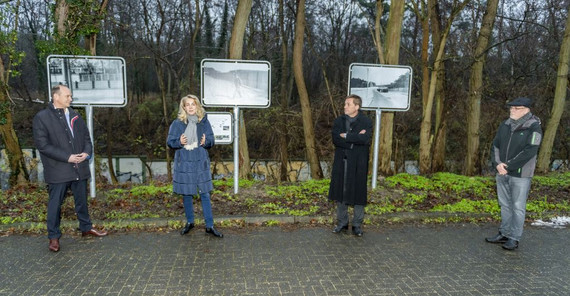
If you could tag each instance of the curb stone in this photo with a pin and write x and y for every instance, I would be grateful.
(254, 219)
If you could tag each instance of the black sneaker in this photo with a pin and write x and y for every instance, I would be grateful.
(498, 239)
(511, 244)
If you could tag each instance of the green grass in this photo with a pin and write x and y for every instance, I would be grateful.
(441, 192)
(553, 180)
(469, 206)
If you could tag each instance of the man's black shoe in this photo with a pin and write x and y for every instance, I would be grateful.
(339, 228)
(356, 231)
(511, 244)
(186, 228)
(498, 239)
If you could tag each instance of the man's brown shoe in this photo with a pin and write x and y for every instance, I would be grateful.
(54, 244)
(94, 232)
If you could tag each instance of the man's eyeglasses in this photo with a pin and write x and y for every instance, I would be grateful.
(516, 108)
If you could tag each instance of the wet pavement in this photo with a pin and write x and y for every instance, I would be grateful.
(393, 260)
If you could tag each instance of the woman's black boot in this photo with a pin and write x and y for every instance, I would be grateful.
(214, 232)
(186, 228)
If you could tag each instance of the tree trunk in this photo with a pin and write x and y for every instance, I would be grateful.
(393, 37)
(236, 52)
(309, 132)
(426, 137)
(558, 105)
(163, 95)
(91, 39)
(283, 131)
(423, 14)
(192, 50)
(440, 132)
(471, 165)
(18, 173)
(61, 12)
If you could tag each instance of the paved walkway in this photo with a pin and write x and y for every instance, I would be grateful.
(395, 260)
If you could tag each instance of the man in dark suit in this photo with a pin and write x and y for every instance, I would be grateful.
(63, 140)
(351, 134)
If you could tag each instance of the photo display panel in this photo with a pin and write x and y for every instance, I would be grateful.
(235, 83)
(93, 80)
(384, 87)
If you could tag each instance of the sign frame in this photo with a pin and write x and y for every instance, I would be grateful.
(382, 87)
(248, 82)
(99, 81)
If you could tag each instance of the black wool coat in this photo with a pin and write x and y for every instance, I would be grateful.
(55, 143)
(350, 165)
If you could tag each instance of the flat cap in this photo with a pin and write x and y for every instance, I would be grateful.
(521, 101)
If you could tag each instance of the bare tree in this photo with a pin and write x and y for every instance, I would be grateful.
(18, 172)
(236, 52)
(393, 39)
(440, 126)
(284, 94)
(476, 89)
(309, 132)
(559, 101)
(426, 137)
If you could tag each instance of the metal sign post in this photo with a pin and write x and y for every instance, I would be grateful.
(376, 148)
(236, 150)
(89, 115)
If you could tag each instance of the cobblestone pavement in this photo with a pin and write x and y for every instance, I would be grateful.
(395, 260)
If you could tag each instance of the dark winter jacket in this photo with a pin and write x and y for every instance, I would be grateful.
(350, 166)
(517, 149)
(56, 144)
(191, 171)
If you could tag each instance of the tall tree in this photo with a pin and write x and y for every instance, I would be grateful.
(476, 89)
(558, 105)
(9, 17)
(236, 52)
(308, 128)
(192, 50)
(284, 97)
(392, 57)
(426, 136)
(440, 126)
(161, 24)
(96, 12)
(222, 41)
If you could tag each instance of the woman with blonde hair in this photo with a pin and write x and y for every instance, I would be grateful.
(190, 135)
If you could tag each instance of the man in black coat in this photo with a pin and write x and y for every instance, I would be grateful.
(63, 140)
(514, 158)
(351, 134)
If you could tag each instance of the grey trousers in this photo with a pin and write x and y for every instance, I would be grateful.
(512, 192)
(342, 214)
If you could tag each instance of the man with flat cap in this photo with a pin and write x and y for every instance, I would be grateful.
(514, 157)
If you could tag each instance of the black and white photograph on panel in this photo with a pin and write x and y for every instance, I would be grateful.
(385, 87)
(232, 83)
(98, 81)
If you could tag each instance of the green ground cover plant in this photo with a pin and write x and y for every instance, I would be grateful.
(456, 197)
